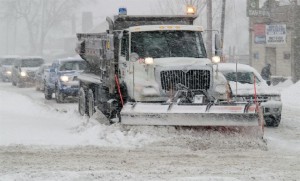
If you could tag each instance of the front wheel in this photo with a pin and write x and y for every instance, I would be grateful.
(47, 92)
(82, 106)
(59, 97)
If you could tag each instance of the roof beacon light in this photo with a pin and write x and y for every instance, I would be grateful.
(122, 11)
(190, 10)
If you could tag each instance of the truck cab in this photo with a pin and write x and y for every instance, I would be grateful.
(155, 58)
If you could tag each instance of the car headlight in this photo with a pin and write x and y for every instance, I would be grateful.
(64, 78)
(23, 74)
(274, 98)
(8, 72)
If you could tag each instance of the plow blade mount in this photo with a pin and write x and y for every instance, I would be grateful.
(189, 115)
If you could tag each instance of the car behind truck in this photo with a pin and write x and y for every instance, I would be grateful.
(62, 78)
(154, 70)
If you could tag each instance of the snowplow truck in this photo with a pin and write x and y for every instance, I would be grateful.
(154, 70)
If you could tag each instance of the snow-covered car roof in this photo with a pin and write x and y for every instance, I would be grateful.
(9, 56)
(231, 67)
(165, 28)
(31, 57)
(70, 59)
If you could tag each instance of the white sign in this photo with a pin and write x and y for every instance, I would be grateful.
(276, 34)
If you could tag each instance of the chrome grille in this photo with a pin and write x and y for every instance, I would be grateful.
(193, 79)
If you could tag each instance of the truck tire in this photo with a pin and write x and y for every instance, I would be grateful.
(91, 103)
(37, 86)
(82, 106)
(13, 83)
(47, 92)
(20, 84)
(59, 97)
(272, 121)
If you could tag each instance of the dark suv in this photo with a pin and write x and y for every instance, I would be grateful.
(63, 78)
(23, 70)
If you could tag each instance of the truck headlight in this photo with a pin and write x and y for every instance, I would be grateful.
(8, 72)
(64, 78)
(216, 59)
(274, 98)
(23, 74)
(149, 61)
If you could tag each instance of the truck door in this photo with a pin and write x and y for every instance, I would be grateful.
(125, 66)
(124, 54)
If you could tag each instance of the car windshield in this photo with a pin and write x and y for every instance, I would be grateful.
(7, 61)
(32, 62)
(160, 44)
(72, 65)
(241, 77)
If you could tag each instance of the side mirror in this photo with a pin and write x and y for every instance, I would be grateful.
(133, 57)
(218, 45)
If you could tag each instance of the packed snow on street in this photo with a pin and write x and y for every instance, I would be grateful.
(43, 140)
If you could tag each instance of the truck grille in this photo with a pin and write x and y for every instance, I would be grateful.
(193, 79)
(259, 99)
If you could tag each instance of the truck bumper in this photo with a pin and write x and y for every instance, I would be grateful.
(69, 90)
(272, 108)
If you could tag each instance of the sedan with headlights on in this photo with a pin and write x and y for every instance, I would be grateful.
(62, 79)
(6, 63)
(23, 70)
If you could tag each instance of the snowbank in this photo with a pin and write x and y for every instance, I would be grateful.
(291, 94)
(25, 122)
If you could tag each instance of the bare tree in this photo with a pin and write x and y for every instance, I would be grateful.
(40, 16)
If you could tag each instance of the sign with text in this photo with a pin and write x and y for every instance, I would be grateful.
(253, 9)
(276, 34)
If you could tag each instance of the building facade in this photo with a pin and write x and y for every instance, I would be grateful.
(273, 38)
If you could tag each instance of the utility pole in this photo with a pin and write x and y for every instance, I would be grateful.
(223, 27)
(41, 46)
(209, 28)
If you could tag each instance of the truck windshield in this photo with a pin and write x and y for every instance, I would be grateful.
(161, 44)
(32, 62)
(72, 65)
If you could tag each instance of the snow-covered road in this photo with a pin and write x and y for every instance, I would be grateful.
(42, 140)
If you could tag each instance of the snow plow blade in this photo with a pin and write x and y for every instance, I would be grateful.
(190, 115)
